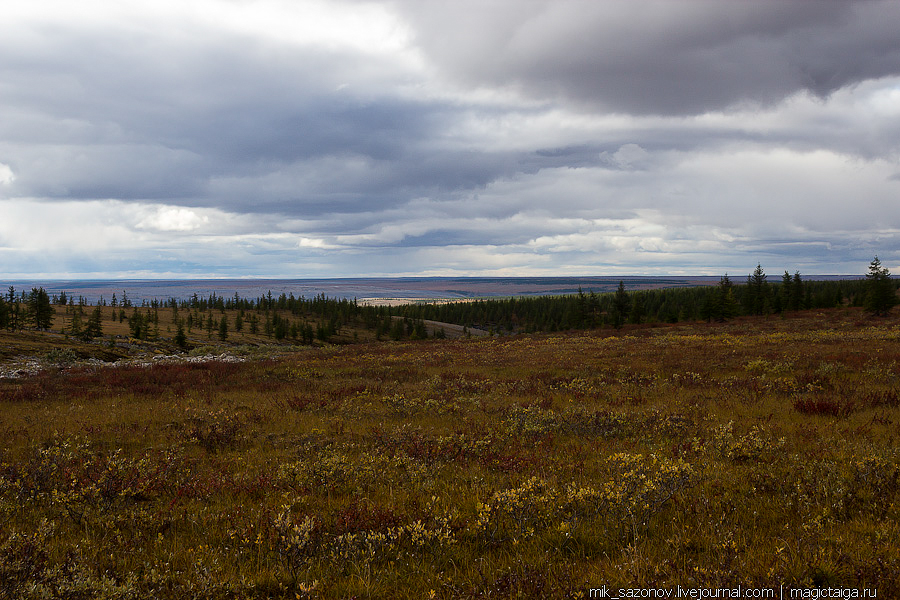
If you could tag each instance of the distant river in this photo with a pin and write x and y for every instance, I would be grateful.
(359, 288)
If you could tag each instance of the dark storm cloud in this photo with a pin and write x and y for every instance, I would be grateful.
(661, 57)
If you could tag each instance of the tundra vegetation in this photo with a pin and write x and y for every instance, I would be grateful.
(760, 451)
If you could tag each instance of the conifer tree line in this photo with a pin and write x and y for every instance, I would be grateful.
(877, 293)
(302, 320)
(283, 318)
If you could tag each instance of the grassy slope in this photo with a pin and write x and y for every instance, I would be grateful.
(761, 452)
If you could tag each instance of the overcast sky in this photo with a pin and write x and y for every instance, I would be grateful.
(286, 138)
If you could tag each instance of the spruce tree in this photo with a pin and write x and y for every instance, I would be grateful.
(621, 305)
(881, 292)
(75, 327)
(581, 309)
(40, 309)
(12, 319)
(637, 312)
(180, 337)
(729, 304)
(797, 295)
(756, 300)
(720, 304)
(785, 293)
(94, 327)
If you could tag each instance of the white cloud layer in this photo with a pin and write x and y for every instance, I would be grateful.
(516, 137)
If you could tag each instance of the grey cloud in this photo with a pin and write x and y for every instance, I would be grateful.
(222, 121)
(211, 119)
(348, 181)
(125, 171)
(661, 57)
(122, 108)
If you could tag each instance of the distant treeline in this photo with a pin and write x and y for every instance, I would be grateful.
(305, 320)
(589, 310)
